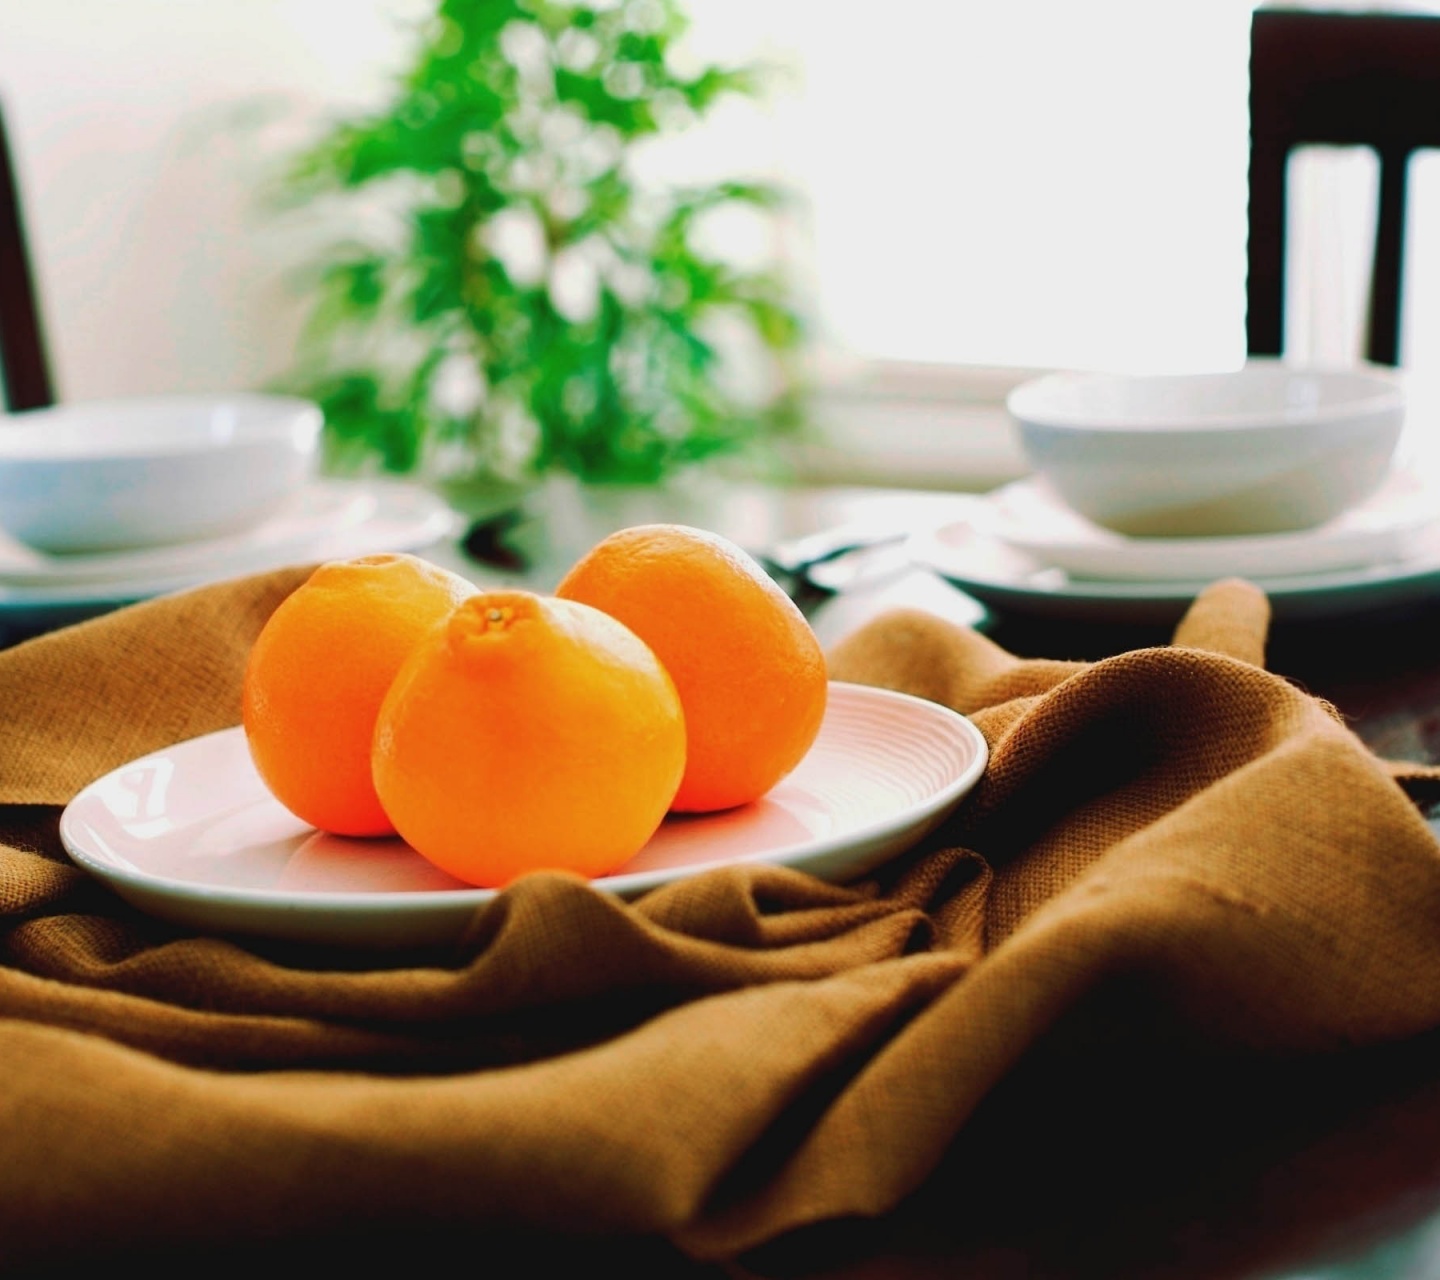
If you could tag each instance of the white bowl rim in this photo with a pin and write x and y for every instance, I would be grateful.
(1385, 394)
(268, 417)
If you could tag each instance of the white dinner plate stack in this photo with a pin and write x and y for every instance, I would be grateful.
(108, 502)
(1022, 548)
(325, 519)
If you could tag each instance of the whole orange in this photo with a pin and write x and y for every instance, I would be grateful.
(749, 670)
(528, 733)
(318, 672)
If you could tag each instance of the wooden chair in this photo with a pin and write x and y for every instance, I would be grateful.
(23, 362)
(1338, 78)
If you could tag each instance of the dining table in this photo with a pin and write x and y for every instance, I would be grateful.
(1120, 1144)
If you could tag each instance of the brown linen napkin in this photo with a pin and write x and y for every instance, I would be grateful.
(733, 1055)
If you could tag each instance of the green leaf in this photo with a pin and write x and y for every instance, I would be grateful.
(629, 393)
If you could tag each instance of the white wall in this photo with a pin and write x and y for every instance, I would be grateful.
(156, 268)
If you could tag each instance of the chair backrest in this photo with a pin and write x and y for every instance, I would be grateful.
(23, 362)
(1337, 78)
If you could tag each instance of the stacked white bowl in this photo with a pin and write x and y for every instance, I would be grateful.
(146, 472)
(1268, 448)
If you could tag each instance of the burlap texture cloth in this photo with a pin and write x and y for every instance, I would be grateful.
(731, 1056)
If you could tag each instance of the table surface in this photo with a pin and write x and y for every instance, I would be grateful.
(1137, 1157)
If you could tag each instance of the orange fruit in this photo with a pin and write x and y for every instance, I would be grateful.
(750, 673)
(318, 672)
(526, 733)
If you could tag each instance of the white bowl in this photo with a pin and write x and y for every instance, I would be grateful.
(1267, 448)
(107, 475)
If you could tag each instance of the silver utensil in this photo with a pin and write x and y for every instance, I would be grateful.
(813, 567)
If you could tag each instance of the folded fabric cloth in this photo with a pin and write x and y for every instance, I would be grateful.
(731, 1056)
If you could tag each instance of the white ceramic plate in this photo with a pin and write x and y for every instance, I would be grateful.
(337, 519)
(1009, 579)
(1028, 515)
(191, 834)
(320, 511)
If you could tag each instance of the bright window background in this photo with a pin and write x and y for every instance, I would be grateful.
(1008, 183)
(1020, 183)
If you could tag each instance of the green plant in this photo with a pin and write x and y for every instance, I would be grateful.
(521, 301)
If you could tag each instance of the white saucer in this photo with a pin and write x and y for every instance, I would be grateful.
(190, 834)
(1030, 517)
(319, 511)
(333, 519)
(1008, 579)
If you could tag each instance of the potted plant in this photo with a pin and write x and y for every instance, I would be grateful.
(510, 298)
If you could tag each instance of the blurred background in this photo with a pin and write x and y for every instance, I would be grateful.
(982, 190)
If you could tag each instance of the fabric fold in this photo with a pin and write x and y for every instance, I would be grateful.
(733, 1056)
